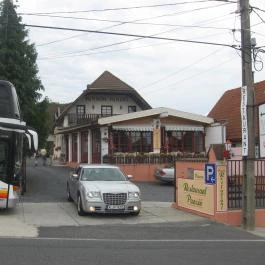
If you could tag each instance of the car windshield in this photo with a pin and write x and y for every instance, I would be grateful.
(102, 174)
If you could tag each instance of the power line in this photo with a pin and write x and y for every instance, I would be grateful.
(157, 24)
(128, 8)
(130, 35)
(197, 74)
(102, 52)
(170, 14)
(113, 44)
(77, 53)
(182, 69)
(137, 23)
(118, 43)
(69, 55)
(259, 16)
(122, 22)
(137, 20)
(262, 10)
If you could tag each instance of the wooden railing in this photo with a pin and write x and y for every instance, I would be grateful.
(74, 118)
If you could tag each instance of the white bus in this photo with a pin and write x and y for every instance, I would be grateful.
(13, 133)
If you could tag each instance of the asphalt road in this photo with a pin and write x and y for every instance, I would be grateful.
(114, 252)
(48, 184)
(193, 241)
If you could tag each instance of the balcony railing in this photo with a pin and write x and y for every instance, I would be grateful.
(76, 119)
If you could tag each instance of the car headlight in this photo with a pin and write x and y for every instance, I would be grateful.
(93, 194)
(134, 195)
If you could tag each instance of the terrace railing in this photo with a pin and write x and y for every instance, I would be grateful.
(152, 158)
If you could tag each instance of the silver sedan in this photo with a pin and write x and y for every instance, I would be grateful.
(165, 174)
(103, 189)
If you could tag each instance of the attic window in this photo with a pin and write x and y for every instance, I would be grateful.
(131, 109)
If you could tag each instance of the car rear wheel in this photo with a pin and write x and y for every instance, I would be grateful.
(69, 198)
(80, 210)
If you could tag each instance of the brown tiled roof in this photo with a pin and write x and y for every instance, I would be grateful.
(227, 109)
(109, 83)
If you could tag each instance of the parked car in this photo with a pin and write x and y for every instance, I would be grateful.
(103, 189)
(165, 174)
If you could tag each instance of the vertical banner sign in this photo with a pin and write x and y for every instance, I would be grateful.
(244, 121)
(221, 188)
(262, 130)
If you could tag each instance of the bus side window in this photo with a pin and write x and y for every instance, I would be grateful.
(5, 106)
(3, 160)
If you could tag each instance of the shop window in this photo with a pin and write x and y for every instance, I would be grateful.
(188, 142)
(198, 142)
(133, 141)
(175, 141)
(185, 141)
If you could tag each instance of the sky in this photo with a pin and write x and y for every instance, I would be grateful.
(188, 75)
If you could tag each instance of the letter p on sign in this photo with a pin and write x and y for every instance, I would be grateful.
(210, 173)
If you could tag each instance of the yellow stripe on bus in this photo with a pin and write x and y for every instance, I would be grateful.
(3, 194)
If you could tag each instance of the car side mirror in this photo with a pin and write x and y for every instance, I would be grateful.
(75, 176)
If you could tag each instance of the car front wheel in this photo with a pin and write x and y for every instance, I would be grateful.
(80, 210)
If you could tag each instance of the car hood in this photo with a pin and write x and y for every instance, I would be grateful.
(110, 186)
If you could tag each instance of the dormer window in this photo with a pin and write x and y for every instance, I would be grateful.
(131, 109)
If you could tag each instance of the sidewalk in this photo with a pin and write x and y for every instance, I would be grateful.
(24, 220)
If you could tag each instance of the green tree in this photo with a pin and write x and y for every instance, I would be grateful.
(18, 65)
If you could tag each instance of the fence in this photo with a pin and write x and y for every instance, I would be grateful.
(235, 175)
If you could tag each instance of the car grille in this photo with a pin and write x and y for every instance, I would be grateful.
(115, 198)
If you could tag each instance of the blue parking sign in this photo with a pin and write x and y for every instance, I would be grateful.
(210, 173)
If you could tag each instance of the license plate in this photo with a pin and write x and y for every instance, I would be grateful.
(115, 207)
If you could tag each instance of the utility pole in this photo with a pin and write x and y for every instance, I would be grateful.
(247, 81)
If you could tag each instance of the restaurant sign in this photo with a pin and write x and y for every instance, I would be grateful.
(244, 121)
(195, 195)
(221, 188)
(262, 130)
